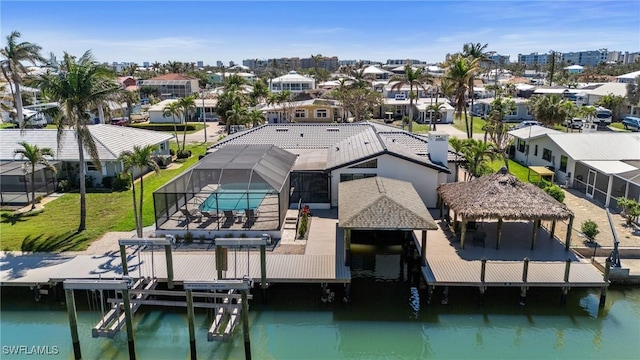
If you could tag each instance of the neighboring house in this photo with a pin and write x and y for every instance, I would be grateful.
(127, 81)
(629, 78)
(376, 73)
(218, 78)
(397, 101)
(592, 96)
(604, 165)
(482, 107)
(330, 153)
(156, 112)
(306, 111)
(293, 82)
(173, 86)
(110, 142)
(574, 69)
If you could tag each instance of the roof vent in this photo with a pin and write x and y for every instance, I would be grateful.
(301, 135)
(282, 129)
(337, 148)
(333, 129)
(503, 170)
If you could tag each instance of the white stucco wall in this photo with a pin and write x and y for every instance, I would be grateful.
(536, 160)
(425, 180)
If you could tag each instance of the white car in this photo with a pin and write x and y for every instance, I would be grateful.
(527, 123)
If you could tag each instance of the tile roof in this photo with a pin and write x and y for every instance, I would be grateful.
(381, 203)
(173, 77)
(110, 141)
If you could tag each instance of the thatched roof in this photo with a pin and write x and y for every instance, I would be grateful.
(501, 195)
(382, 203)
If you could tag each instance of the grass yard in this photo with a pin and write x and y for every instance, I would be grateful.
(519, 171)
(618, 126)
(53, 228)
(478, 124)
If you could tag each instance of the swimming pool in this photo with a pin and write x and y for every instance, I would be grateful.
(236, 197)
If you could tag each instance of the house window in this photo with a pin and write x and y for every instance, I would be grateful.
(301, 113)
(546, 154)
(563, 163)
(513, 112)
(521, 144)
(322, 113)
(349, 177)
(91, 166)
(371, 164)
(535, 151)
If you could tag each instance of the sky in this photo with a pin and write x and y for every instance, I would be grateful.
(130, 31)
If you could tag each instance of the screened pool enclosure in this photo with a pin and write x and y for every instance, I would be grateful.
(237, 187)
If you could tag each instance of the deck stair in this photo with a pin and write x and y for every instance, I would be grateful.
(114, 320)
(290, 220)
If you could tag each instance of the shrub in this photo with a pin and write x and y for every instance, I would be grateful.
(630, 209)
(188, 237)
(164, 127)
(122, 182)
(107, 182)
(590, 229)
(201, 238)
(183, 154)
(172, 152)
(304, 223)
(64, 186)
(90, 182)
(38, 199)
(555, 191)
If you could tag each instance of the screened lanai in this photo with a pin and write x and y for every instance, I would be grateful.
(236, 187)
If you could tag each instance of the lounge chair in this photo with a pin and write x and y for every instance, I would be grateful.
(209, 214)
(192, 215)
(251, 214)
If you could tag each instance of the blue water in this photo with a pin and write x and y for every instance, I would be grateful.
(235, 197)
(387, 319)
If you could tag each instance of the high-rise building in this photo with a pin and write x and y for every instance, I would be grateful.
(585, 58)
(219, 64)
(145, 64)
(404, 61)
(533, 59)
(200, 63)
(500, 59)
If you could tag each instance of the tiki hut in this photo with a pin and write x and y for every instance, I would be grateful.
(502, 196)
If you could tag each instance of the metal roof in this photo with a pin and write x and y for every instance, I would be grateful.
(598, 146)
(292, 76)
(110, 141)
(18, 167)
(532, 132)
(382, 203)
(610, 167)
(357, 147)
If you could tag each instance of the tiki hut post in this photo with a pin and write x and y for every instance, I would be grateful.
(499, 233)
(441, 203)
(567, 242)
(424, 247)
(463, 231)
(534, 233)
(553, 228)
(455, 221)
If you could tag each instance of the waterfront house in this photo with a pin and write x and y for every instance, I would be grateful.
(603, 165)
(156, 112)
(482, 107)
(110, 142)
(306, 111)
(172, 86)
(293, 82)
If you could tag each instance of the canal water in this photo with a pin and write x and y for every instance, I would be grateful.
(387, 318)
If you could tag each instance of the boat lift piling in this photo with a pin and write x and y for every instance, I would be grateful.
(116, 285)
(166, 242)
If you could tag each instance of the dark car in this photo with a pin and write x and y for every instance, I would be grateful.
(631, 123)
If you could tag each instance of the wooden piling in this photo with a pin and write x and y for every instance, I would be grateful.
(123, 259)
(347, 247)
(499, 233)
(245, 325)
(190, 320)
(424, 248)
(483, 270)
(73, 323)
(263, 272)
(463, 232)
(169, 258)
(603, 291)
(553, 229)
(219, 261)
(534, 233)
(567, 267)
(525, 270)
(567, 242)
(129, 323)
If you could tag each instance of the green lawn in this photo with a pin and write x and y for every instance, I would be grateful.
(169, 127)
(478, 124)
(617, 126)
(53, 229)
(519, 171)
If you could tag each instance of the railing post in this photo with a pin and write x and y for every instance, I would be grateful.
(603, 291)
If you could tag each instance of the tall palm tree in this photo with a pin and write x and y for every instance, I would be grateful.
(81, 85)
(156, 66)
(13, 55)
(547, 109)
(173, 110)
(140, 159)
(237, 115)
(255, 117)
(130, 98)
(415, 78)
(476, 154)
(460, 69)
(34, 156)
(456, 145)
(477, 53)
(588, 112)
(187, 105)
(633, 94)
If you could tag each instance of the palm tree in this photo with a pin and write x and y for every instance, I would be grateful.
(460, 70)
(236, 116)
(588, 112)
(13, 55)
(156, 66)
(130, 98)
(34, 155)
(173, 110)
(476, 53)
(187, 105)
(174, 66)
(141, 158)
(570, 109)
(415, 78)
(633, 93)
(255, 117)
(547, 109)
(476, 153)
(81, 85)
(434, 113)
(456, 145)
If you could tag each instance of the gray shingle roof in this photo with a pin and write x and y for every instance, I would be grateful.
(382, 203)
(110, 141)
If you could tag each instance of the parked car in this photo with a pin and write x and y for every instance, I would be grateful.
(631, 123)
(575, 123)
(119, 121)
(527, 123)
